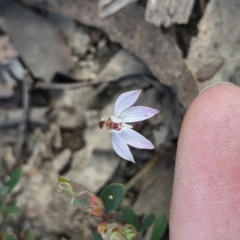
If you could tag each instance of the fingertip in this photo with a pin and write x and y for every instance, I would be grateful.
(205, 203)
(209, 112)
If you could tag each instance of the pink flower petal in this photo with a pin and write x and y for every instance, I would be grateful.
(121, 147)
(125, 100)
(136, 114)
(135, 139)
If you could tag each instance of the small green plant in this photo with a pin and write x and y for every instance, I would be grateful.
(8, 207)
(12, 236)
(104, 207)
(160, 224)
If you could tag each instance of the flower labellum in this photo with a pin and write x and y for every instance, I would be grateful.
(122, 133)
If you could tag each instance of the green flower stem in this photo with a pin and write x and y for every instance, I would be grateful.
(155, 159)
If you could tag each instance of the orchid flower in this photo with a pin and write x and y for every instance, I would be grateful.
(122, 133)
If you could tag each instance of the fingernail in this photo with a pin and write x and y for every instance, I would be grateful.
(214, 84)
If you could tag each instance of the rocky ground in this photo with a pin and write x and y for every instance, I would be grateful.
(62, 66)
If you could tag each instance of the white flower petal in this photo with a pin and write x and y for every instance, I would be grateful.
(121, 148)
(125, 100)
(135, 139)
(116, 119)
(138, 113)
(127, 126)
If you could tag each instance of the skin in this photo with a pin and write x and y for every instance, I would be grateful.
(206, 193)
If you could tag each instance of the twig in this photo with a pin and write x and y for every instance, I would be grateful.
(155, 159)
(23, 125)
(63, 86)
(202, 4)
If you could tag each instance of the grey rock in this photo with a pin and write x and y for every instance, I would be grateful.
(37, 40)
(218, 37)
(168, 12)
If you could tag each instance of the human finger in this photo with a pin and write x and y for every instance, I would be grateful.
(206, 193)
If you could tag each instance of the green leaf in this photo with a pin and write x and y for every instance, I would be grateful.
(130, 217)
(112, 196)
(14, 178)
(81, 200)
(63, 238)
(11, 210)
(1, 167)
(30, 235)
(160, 227)
(10, 236)
(76, 193)
(147, 222)
(97, 236)
(1, 204)
(3, 190)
